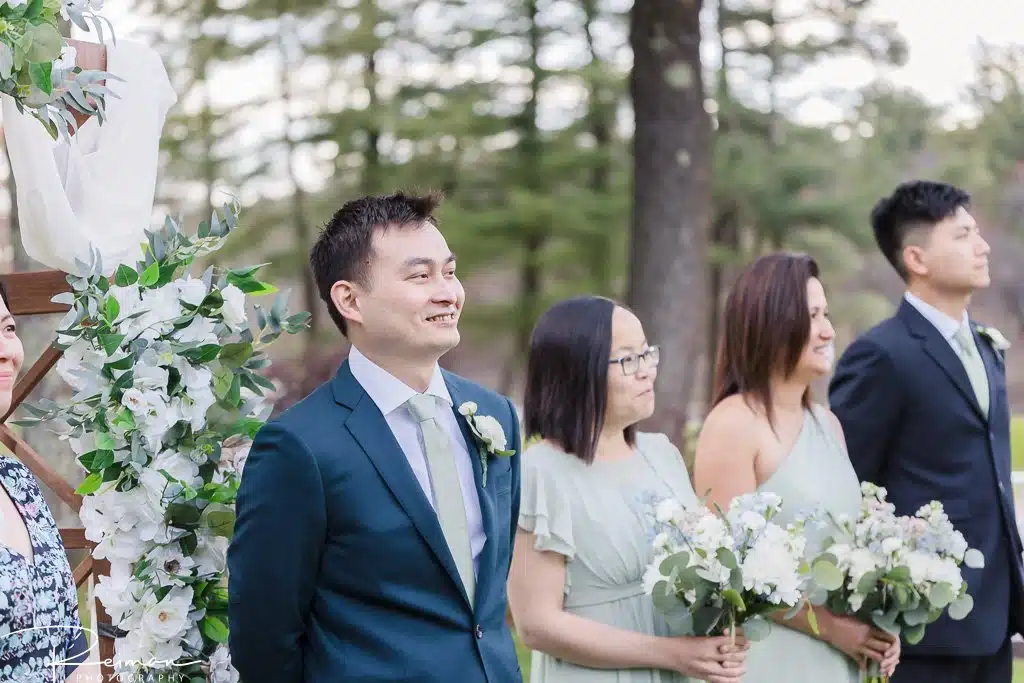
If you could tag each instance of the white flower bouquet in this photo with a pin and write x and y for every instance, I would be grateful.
(37, 65)
(169, 391)
(715, 572)
(898, 573)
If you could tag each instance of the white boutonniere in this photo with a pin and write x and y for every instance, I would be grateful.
(489, 435)
(995, 337)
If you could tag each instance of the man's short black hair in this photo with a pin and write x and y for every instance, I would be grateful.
(345, 245)
(915, 205)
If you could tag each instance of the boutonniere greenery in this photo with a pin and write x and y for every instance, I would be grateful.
(995, 337)
(489, 435)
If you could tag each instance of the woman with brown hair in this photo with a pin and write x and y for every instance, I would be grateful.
(765, 434)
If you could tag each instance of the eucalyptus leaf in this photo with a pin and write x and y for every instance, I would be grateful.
(827, 575)
(913, 634)
(961, 607)
(974, 559)
(756, 628)
(47, 43)
(941, 595)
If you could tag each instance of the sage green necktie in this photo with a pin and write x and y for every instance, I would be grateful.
(444, 480)
(974, 365)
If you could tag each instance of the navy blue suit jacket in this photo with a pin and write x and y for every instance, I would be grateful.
(339, 570)
(913, 425)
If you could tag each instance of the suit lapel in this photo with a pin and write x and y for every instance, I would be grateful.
(941, 352)
(371, 431)
(487, 557)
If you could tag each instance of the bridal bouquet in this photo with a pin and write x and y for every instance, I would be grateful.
(37, 66)
(898, 573)
(714, 572)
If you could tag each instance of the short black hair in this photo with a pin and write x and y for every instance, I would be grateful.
(345, 245)
(913, 205)
(566, 393)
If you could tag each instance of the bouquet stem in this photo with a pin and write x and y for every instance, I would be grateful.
(872, 673)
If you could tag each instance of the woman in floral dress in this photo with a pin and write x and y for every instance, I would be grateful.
(41, 636)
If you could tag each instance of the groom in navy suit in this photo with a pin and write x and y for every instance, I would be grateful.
(922, 399)
(375, 518)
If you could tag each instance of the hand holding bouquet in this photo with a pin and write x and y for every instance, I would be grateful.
(898, 573)
(716, 572)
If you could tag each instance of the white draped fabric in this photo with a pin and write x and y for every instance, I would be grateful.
(98, 189)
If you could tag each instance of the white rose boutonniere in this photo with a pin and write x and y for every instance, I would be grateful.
(489, 435)
(995, 337)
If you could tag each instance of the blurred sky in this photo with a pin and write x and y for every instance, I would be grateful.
(942, 36)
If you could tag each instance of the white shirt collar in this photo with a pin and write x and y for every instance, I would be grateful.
(946, 325)
(386, 390)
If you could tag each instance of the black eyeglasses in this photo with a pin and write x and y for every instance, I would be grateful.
(631, 362)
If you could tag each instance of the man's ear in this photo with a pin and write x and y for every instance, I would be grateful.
(914, 260)
(345, 297)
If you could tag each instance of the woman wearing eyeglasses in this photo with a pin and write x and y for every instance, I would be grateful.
(576, 583)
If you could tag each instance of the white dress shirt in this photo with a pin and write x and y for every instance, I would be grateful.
(390, 394)
(946, 325)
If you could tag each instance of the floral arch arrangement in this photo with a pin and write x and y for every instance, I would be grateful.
(169, 392)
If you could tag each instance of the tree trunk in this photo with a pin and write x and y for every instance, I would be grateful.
(600, 120)
(671, 198)
(535, 237)
(725, 236)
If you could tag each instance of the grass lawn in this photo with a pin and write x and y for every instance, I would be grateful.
(1017, 441)
(1018, 672)
(524, 661)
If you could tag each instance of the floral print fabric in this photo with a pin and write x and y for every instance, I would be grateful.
(40, 631)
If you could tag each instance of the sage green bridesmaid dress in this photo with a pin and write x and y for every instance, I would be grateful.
(592, 515)
(816, 474)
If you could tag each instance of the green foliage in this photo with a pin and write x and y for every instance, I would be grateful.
(169, 387)
(30, 45)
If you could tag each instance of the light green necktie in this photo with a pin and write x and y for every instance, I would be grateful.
(974, 365)
(444, 480)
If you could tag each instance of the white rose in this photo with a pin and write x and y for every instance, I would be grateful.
(211, 554)
(233, 309)
(666, 510)
(221, 670)
(491, 432)
(191, 290)
(199, 331)
(169, 562)
(67, 57)
(891, 545)
(152, 377)
(135, 401)
(168, 619)
(468, 408)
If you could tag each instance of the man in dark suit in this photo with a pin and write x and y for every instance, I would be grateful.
(922, 400)
(376, 517)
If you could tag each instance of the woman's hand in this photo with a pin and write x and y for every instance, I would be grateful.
(714, 660)
(860, 641)
(891, 657)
